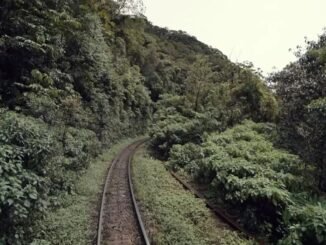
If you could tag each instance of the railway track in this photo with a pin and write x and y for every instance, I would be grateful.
(120, 221)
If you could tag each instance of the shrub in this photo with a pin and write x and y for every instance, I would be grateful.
(247, 172)
(307, 224)
(25, 150)
(37, 162)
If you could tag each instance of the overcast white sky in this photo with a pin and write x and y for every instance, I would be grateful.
(260, 31)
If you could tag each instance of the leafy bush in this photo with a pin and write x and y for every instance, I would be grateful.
(174, 215)
(37, 162)
(307, 224)
(300, 87)
(247, 172)
(175, 130)
(176, 124)
(80, 145)
(25, 152)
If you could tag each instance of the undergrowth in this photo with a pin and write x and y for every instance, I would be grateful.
(74, 223)
(172, 214)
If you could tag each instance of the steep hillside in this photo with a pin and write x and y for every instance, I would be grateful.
(75, 76)
(66, 91)
(271, 175)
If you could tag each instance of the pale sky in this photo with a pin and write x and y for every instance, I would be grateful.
(260, 31)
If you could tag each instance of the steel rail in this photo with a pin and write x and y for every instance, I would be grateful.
(136, 208)
(133, 148)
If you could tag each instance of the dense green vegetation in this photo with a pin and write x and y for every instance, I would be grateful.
(66, 91)
(252, 176)
(210, 105)
(76, 76)
(73, 222)
(302, 92)
(270, 171)
(174, 215)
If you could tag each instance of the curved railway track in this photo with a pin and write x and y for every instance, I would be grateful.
(120, 221)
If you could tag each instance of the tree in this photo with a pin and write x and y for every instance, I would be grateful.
(121, 7)
(316, 137)
(133, 7)
(199, 83)
(301, 87)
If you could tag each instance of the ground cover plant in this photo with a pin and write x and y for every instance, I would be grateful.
(174, 215)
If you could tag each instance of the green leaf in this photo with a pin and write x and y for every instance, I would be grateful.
(27, 204)
(33, 196)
